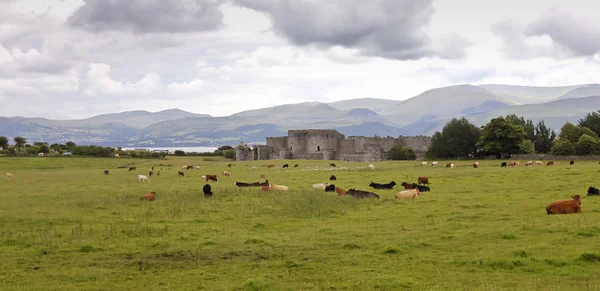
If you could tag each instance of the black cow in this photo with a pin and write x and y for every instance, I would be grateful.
(421, 188)
(332, 165)
(286, 166)
(105, 172)
(332, 178)
(503, 165)
(207, 191)
(296, 165)
(229, 166)
(571, 162)
(330, 188)
(361, 194)
(389, 185)
(593, 191)
(254, 184)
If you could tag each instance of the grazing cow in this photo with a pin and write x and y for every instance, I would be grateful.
(332, 178)
(158, 173)
(423, 164)
(389, 185)
(210, 178)
(514, 164)
(254, 168)
(423, 180)
(372, 167)
(503, 165)
(189, 167)
(320, 185)
(296, 166)
(285, 166)
(408, 194)
(278, 187)
(340, 191)
(421, 188)
(529, 163)
(142, 178)
(180, 173)
(539, 163)
(225, 173)
(565, 206)
(571, 162)
(434, 163)
(184, 167)
(106, 172)
(150, 173)
(9, 176)
(408, 186)
(551, 163)
(330, 188)
(361, 194)
(228, 165)
(476, 165)
(207, 191)
(593, 191)
(152, 168)
(271, 166)
(149, 197)
(131, 169)
(332, 165)
(196, 167)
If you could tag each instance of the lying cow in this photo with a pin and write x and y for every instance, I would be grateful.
(330, 188)
(389, 185)
(278, 187)
(593, 191)
(476, 165)
(207, 191)
(149, 197)
(254, 184)
(407, 185)
(565, 206)
(285, 166)
(340, 191)
(361, 194)
(408, 194)
(320, 185)
(421, 188)
(131, 169)
(332, 178)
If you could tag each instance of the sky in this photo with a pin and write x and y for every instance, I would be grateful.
(67, 59)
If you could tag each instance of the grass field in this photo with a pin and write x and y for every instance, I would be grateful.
(64, 225)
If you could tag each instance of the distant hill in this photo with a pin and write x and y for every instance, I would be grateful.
(420, 115)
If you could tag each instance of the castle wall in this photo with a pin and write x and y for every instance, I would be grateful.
(346, 146)
(278, 143)
(243, 154)
(319, 140)
(298, 141)
(264, 152)
(417, 143)
(312, 156)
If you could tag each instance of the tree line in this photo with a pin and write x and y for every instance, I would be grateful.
(505, 136)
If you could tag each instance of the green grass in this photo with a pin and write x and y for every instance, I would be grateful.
(64, 225)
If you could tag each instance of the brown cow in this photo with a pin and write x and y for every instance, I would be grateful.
(225, 173)
(340, 191)
(551, 163)
(423, 180)
(271, 166)
(476, 165)
(265, 188)
(180, 173)
(9, 176)
(229, 166)
(131, 169)
(211, 178)
(407, 186)
(565, 206)
(150, 196)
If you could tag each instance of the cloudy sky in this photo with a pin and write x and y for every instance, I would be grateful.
(78, 58)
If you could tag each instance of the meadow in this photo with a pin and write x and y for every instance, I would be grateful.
(64, 225)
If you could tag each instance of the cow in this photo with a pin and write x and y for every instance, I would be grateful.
(9, 176)
(207, 191)
(285, 166)
(152, 168)
(330, 188)
(210, 178)
(361, 194)
(407, 185)
(180, 173)
(184, 167)
(254, 184)
(149, 197)
(142, 178)
(503, 165)
(372, 167)
(332, 165)
(270, 166)
(593, 191)
(572, 163)
(150, 173)
(529, 163)
(434, 163)
(539, 163)
(332, 178)
(225, 173)
(131, 169)
(514, 164)
(421, 188)
(278, 187)
(265, 188)
(189, 167)
(106, 172)
(423, 164)
(340, 191)
(196, 167)
(408, 194)
(254, 168)
(389, 185)
(320, 185)
(423, 180)
(565, 206)
(476, 165)
(158, 173)
(228, 165)
(296, 166)
(551, 163)
(262, 176)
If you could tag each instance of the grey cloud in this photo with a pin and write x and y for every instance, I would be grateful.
(148, 16)
(392, 29)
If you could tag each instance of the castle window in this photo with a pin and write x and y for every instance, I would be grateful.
(328, 135)
(290, 148)
(318, 148)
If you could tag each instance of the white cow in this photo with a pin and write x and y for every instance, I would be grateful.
(372, 166)
(254, 168)
(142, 178)
(408, 194)
(434, 163)
(196, 167)
(184, 167)
(423, 164)
(320, 185)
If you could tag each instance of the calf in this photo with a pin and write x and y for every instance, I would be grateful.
(106, 172)
(423, 180)
(571, 162)
(361, 194)
(408, 194)
(408, 186)
(503, 165)
(389, 185)
(330, 188)
(149, 197)
(180, 173)
(285, 166)
(131, 169)
(142, 178)
(211, 178)
(332, 178)
(565, 206)
(551, 163)
(207, 191)
(340, 191)
(593, 191)
(225, 173)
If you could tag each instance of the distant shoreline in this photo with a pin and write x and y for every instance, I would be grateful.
(173, 149)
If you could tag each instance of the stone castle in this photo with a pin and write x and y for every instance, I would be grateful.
(313, 144)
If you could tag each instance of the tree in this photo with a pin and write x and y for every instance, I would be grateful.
(39, 143)
(458, 139)
(44, 149)
(179, 153)
(19, 141)
(501, 137)
(70, 145)
(527, 125)
(399, 152)
(229, 154)
(526, 147)
(3, 142)
(224, 148)
(55, 147)
(543, 139)
(587, 145)
(563, 147)
(591, 121)
(573, 133)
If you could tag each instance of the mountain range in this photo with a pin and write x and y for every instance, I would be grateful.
(420, 115)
